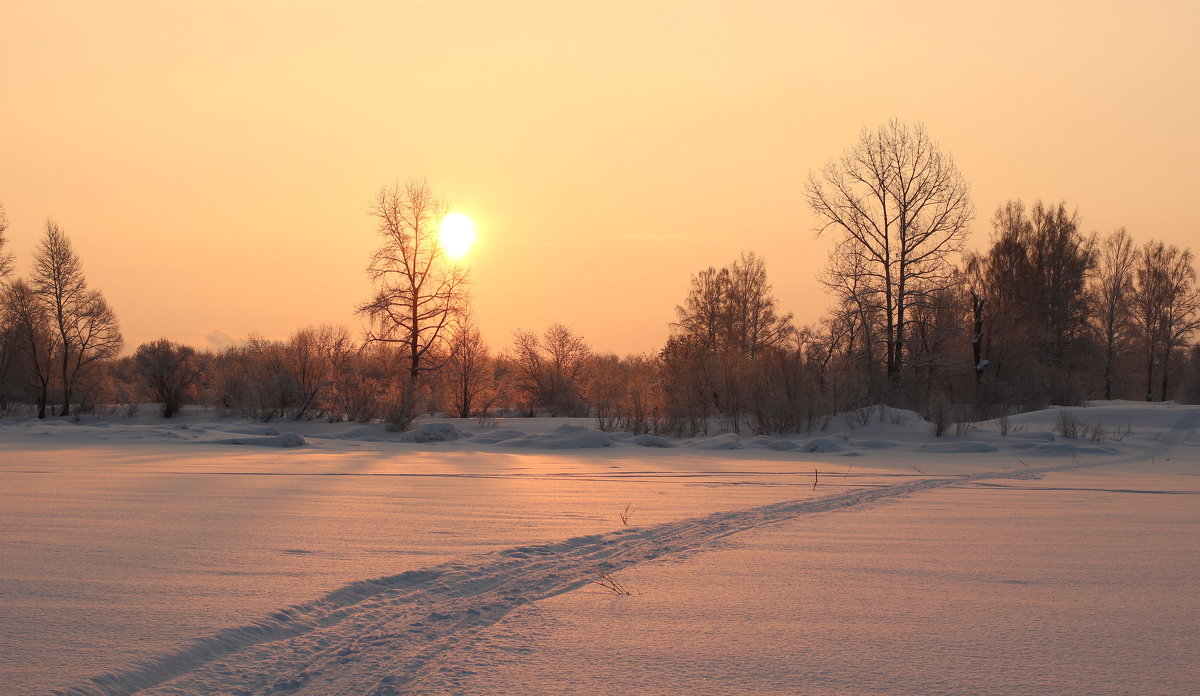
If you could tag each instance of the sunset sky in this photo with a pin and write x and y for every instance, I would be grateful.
(213, 161)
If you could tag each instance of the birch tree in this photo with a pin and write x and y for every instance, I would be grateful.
(1114, 297)
(899, 208)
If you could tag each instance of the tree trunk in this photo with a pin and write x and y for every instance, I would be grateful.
(1166, 372)
(1150, 375)
(977, 338)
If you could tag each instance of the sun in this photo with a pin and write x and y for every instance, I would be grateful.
(456, 235)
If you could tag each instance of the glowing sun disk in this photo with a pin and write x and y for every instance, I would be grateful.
(456, 235)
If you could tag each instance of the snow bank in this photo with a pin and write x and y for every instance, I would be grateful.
(563, 437)
(1063, 448)
(282, 440)
(492, 437)
(432, 432)
(963, 447)
(724, 441)
(648, 440)
(877, 444)
(822, 444)
(250, 430)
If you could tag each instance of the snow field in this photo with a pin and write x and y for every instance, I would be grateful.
(144, 563)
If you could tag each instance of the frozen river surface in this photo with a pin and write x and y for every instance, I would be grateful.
(137, 564)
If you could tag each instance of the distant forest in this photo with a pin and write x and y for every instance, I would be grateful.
(1046, 314)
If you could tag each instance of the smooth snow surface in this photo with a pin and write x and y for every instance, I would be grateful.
(143, 557)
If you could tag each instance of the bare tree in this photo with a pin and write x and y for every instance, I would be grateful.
(8, 336)
(6, 257)
(1035, 308)
(469, 371)
(1167, 307)
(733, 309)
(419, 292)
(85, 327)
(310, 355)
(168, 370)
(1114, 296)
(551, 370)
(29, 325)
(728, 321)
(900, 208)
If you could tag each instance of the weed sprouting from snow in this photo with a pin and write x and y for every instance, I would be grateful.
(1068, 425)
(1071, 427)
(613, 585)
(814, 479)
(626, 513)
(1123, 433)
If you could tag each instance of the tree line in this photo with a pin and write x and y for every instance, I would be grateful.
(1044, 314)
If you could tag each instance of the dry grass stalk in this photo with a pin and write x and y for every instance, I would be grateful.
(613, 585)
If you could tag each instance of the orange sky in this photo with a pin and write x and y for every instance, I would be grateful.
(213, 161)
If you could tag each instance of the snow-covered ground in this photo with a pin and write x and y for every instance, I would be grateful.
(209, 556)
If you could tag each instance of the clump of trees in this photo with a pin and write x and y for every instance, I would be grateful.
(1044, 313)
(58, 335)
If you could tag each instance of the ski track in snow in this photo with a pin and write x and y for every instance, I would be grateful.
(385, 636)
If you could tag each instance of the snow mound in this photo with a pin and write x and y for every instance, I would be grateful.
(252, 430)
(822, 444)
(1063, 448)
(759, 441)
(563, 437)
(432, 432)
(1043, 436)
(901, 416)
(963, 447)
(648, 440)
(783, 445)
(366, 432)
(493, 437)
(724, 441)
(621, 436)
(877, 444)
(282, 440)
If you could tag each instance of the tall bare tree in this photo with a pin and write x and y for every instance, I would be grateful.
(32, 339)
(733, 309)
(900, 208)
(1035, 308)
(469, 374)
(6, 257)
(419, 292)
(1167, 308)
(85, 327)
(8, 338)
(1114, 297)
